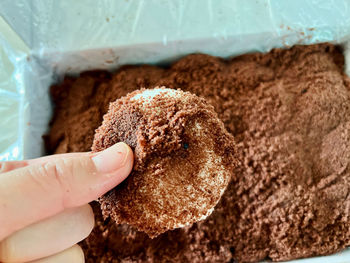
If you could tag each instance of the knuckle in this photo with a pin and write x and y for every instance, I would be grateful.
(61, 171)
(60, 177)
(52, 177)
(64, 172)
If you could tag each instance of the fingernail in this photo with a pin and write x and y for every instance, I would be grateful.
(111, 159)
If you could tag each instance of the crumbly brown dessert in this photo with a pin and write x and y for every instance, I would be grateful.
(289, 111)
(184, 159)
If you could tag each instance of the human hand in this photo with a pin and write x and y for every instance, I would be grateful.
(44, 207)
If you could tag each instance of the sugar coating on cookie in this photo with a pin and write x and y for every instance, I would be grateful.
(184, 159)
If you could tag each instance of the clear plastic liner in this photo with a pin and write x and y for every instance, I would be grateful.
(67, 37)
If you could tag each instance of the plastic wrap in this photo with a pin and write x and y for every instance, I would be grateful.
(67, 37)
(11, 94)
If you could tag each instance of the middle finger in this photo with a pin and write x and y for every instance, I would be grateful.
(49, 236)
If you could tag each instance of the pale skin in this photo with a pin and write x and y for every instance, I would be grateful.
(44, 210)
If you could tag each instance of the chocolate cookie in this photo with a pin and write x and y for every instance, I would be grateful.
(184, 159)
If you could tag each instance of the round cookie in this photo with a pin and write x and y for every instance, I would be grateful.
(184, 159)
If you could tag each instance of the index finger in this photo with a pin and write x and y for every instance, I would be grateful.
(37, 191)
(12, 165)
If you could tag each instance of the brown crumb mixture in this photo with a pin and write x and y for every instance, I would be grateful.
(289, 111)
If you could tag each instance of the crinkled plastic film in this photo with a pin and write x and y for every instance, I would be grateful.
(67, 37)
(12, 103)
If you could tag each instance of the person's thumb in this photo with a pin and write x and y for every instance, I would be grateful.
(45, 188)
